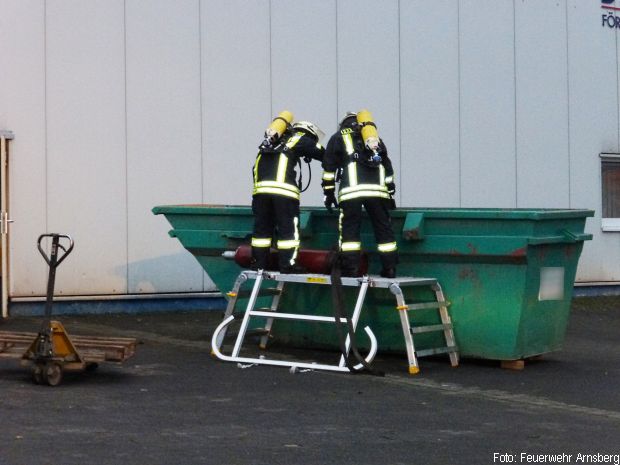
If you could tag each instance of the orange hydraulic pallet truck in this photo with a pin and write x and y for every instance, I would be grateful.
(52, 351)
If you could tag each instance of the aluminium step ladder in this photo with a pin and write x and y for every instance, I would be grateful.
(445, 326)
(364, 283)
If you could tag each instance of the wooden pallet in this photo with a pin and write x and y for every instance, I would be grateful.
(92, 349)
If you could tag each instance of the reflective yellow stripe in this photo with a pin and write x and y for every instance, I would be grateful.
(387, 247)
(261, 242)
(276, 191)
(296, 236)
(282, 164)
(329, 187)
(281, 185)
(363, 193)
(365, 187)
(350, 246)
(340, 229)
(329, 176)
(290, 244)
(293, 140)
(256, 167)
(382, 175)
(352, 169)
(348, 143)
(389, 179)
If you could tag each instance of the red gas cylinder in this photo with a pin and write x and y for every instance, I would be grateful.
(312, 260)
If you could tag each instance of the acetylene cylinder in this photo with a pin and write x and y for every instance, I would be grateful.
(312, 260)
(279, 125)
(369, 130)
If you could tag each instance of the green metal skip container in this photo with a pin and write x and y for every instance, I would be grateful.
(507, 273)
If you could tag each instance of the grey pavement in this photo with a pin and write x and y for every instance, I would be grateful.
(173, 403)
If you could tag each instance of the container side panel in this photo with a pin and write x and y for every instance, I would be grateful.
(542, 106)
(303, 69)
(429, 104)
(487, 103)
(593, 110)
(86, 142)
(22, 110)
(362, 78)
(236, 91)
(163, 139)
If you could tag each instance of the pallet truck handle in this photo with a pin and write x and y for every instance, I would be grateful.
(53, 260)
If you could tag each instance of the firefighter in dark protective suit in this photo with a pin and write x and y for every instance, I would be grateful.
(364, 171)
(275, 198)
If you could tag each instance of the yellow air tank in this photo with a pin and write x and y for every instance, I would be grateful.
(278, 125)
(369, 130)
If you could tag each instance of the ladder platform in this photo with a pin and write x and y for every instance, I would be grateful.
(372, 280)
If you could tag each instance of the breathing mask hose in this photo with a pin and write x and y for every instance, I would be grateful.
(300, 180)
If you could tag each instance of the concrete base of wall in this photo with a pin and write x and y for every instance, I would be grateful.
(119, 305)
(215, 302)
(597, 290)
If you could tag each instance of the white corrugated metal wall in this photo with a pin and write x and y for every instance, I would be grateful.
(120, 105)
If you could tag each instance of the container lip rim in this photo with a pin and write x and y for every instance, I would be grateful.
(486, 213)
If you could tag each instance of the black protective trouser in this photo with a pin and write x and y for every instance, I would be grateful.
(350, 223)
(273, 212)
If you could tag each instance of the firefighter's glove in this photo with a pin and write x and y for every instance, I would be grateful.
(329, 199)
(391, 188)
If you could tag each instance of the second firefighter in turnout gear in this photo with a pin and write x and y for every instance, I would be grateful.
(275, 198)
(358, 159)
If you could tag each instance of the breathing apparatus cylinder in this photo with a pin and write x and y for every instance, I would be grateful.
(277, 127)
(369, 133)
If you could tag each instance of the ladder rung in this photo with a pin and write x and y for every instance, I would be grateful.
(240, 313)
(428, 305)
(438, 350)
(430, 328)
(295, 316)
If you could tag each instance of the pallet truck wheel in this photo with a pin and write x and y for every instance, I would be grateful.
(37, 373)
(52, 374)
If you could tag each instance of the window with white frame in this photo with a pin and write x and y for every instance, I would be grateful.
(610, 181)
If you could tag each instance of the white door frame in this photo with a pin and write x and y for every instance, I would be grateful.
(5, 136)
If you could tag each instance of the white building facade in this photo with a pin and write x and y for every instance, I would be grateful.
(120, 105)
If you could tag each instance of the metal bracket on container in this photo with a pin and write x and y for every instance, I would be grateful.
(413, 229)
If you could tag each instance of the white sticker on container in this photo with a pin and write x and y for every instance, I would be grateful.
(551, 283)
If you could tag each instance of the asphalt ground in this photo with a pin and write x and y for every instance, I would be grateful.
(173, 403)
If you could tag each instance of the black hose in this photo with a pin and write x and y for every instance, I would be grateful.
(300, 180)
(339, 313)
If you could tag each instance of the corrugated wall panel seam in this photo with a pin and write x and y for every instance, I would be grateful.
(568, 152)
(45, 109)
(400, 111)
(270, 61)
(458, 39)
(200, 92)
(126, 138)
(516, 140)
(338, 110)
